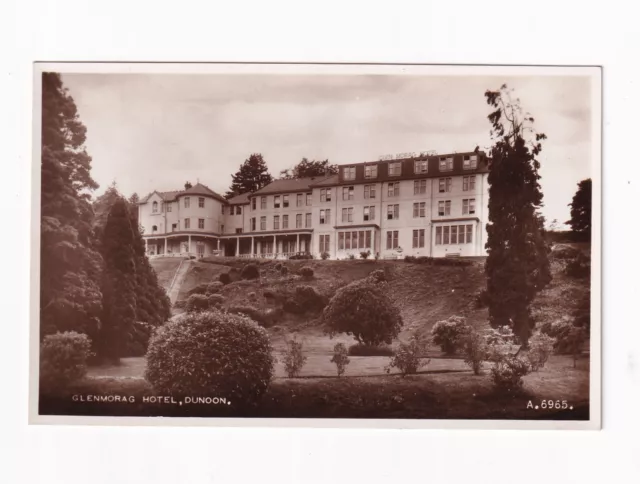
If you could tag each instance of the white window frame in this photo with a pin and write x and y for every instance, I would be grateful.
(470, 162)
(420, 167)
(370, 171)
(419, 187)
(349, 173)
(395, 168)
(445, 163)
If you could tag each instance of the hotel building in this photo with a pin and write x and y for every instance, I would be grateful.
(427, 205)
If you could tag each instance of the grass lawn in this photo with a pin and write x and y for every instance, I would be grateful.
(165, 268)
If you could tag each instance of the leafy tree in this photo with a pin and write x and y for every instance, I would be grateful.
(581, 211)
(308, 168)
(517, 263)
(70, 298)
(187, 185)
(252, 175)
(101, 208)
(133, 202)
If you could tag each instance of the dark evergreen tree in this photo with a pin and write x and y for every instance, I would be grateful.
(581, 211)
(252, 175)
(308, 168)
(133, 203)
(70, 297)
(101, 208)
(517, 266)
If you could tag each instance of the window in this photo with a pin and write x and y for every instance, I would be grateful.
(444, 208)
(238, 210)
(263, 202)
(285, 201)
(276, 222)
(393, 189)
(299, 221)
(369, 213)
(347, 193)
(470, 162)
(419, 187)
(187, 202)
(469, 234)
(324, 243)
(169, 205)
(276, 201)
(201, 202)
(349, 173)
(253, 223)
(154, 207)
(468, 183)
(347, 214)
(395, 169)
(392, 239)
(419, 209)
(238, 231)
(371, 171)
(393, 212)
(354, 240)
(200, 223)
(446, 163)
(325, 216)
(263, 223)
(455, 234)
(154, 228)
(187, 223)
(421, 166)
(299, 200)
(222, 229)
(174, 227)
(325, 194)
(418, 238)
(369, 191)
(468, 206)
(253, 203)
(307, 220)
(444, 185)
(309, 199)
(285, 221)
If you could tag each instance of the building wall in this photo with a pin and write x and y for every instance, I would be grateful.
(270, 211)
(175, 213)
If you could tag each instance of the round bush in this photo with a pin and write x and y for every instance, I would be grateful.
(450, 333)
(211, 353)
(309, 298)
(284, 270)
(215, 300)
(63, 359)
(250, 271)
(225, 278)
(278, 266)
(197, 302)
(362, 309)
(306, 272)
(214, 287)
(378, 276)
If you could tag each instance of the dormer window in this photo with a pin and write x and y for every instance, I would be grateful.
(395, 169)
(420, 167)
(154, 207)
(470, 162)
(371, 171)
(446, 163)
(349, 173)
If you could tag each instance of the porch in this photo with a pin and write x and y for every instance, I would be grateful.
(271, 246)
(182, 245)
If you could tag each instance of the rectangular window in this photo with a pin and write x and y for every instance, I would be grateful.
(393, 189)
(393, 212)
(309, 199)
(369, 191)
(222, 209)
(276, 222)
(200, 223)
(468, 183)
(438, 235)
(325, 194)
(368, 239)
(187, 202)
(419, 209)
(325, 216)
(469, 234)
(419, 187)
(421, 166)
(285, 201)
(324, 243)
(445, 235)
(347, 193)
(187, 223)
(349, 173)
(444, 185)
(454, 234)
(392, 239)
(253, 203)
(299, 221)
(263, 223)
(347, 240)
(395, 169)
(174, 227)
(446, 163)
(285, 221)
(347, 214)
(307, 220)
(361, 239)
(238, 231)
(444, 208)
(299, 200)
(470, 162)
(369, 213)
(468, 206)
(201, 202)
(371, 171)
(461, 230)
(340, 240)
(418, 238)
(222, 229)
(238, 210)
(253, 223)
(276, 201)
(263, 202)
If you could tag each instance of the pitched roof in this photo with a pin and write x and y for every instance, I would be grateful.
(200, 189)
(166, 196)
(331, 180)
(239, 199)
(289, 185)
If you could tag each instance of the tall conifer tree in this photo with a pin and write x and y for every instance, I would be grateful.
(252, 175)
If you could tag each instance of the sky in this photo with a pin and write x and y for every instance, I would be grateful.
(156, 131)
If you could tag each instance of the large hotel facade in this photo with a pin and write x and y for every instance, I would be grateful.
(425, 205)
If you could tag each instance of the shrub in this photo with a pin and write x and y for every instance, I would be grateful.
(351, 257)
(181, 304)
(214, 287)
(444, 261)
(560, 331)
(309, 299)
(424, 260)
(252, 295)
(377, 256)
(360, 349)
(266, 319)
(197, 302)
(482, 299)
(507, 374)
(540, 348)
(325, 255)
(340, 358)
(582, 313)
(269, 294)
(284, 270)
(377, 276)
(250, 271)
(579, 267)
(408, 358)
(365, 254)
(409, 258)
(475, 351)
(63, 359)
(449, 333)
(306, 272)
(364, 310)
(278, 266)
(290, 305)
(225, 278)
(199, 289)
(500, 343)
(564, 252)
(215, 300)
(301, 257)
(199, 355)
(293, 358)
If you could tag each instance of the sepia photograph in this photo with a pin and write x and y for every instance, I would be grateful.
(316, 244)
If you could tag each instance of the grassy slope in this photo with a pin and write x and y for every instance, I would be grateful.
(165, 268)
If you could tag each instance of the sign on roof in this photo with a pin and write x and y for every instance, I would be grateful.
(406, 155)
